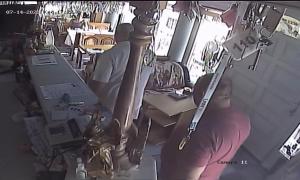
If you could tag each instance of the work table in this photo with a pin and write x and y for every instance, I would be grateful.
(62, 72)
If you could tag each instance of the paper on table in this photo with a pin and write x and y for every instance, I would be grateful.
(46, 59)
(56, 91)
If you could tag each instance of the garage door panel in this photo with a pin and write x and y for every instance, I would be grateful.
(261, 68)
(244, 85)
(257, 147)
(271, 118)
(285, 82)
(276, 104)
(277, 48)
(292, 56)
(269, 94)
(262, 124)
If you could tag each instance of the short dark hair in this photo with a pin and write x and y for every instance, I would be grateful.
(202, 84)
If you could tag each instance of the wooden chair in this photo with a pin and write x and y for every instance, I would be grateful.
(85, 40)
(75, 45)
(90, 40)
(101, 26)
(107, 39)
(168, 74)
(98, 39)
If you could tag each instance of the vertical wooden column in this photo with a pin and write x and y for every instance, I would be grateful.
(146, 13)
(180, 38)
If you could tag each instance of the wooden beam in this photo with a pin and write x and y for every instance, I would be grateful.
(144, 24)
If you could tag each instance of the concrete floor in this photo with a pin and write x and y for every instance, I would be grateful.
(14, 164)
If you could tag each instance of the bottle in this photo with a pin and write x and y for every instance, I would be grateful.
(81, 173)
(50, 38)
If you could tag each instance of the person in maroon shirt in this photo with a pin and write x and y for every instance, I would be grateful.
(218, 136)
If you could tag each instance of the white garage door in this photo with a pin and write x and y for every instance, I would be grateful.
(270, 95)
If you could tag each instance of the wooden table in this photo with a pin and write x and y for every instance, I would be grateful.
(169, 105)
(164, 112)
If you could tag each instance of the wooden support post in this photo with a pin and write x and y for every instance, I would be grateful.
(146, 13)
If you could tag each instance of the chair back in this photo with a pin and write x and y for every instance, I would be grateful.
(90, 40)
(98, 39)
(107, 39)
(101, 26)
(168, 74)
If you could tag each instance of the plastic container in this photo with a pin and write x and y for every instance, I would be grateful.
(50, 38)
(81, 173)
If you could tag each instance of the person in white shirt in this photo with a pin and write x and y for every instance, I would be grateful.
(110, 68)
(107, 77)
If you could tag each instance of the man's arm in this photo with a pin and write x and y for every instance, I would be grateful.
(199, 155)
(101, 75)
(97, 87)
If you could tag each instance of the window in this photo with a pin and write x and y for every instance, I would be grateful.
(211, 33)
(165, 30)
(128, 14)
(289, 26)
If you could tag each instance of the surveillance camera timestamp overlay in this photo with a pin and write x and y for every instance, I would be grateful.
(21, 12)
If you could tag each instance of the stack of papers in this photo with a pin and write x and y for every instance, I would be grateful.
(46, 59)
